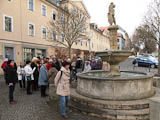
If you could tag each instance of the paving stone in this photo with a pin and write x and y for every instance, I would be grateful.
(32, 107)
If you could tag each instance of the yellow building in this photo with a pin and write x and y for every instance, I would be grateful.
(99, 38)
(23, 30)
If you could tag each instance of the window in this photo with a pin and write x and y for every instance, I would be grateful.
(8, 23)
(62, 37)
(75, 10)
(44, 10)
(92, 45)
(81, 43)
(62, 18)
(28, 54)
(75, 26)
(31, 5)
(54, 35)
(44, 33)
(31, 29)
(86, 43)
(54, 15)
(9, 53)
(81, 28)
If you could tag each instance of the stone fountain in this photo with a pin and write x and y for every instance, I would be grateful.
(113, 94)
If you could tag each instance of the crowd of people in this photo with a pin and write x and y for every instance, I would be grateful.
(41, 73)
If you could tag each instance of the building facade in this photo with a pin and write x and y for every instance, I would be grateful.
(121, 41)
(23, 30)
(99, 38)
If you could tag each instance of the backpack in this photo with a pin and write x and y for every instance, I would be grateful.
(60, 77)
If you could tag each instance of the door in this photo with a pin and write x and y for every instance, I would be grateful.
(9, 53)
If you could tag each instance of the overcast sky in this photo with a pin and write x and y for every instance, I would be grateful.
(129, 13)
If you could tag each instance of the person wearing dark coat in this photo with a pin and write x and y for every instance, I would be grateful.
(79, 64)
(11, 80)
(59, 64)
(93, 64)
(35, 74)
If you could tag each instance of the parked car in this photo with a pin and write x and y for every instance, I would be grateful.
(146, 61)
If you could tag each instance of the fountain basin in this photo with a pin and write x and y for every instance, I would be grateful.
(127, 86)
(114, 57)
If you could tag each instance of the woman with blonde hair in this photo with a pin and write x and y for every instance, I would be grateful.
(35, 74)
(29, 76)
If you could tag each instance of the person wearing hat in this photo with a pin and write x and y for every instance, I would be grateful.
(49, 66)
(87, 66)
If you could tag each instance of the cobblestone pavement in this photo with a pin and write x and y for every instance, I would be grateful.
(31, 107)
(34, 107)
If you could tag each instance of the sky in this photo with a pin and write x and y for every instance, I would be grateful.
(129, 13)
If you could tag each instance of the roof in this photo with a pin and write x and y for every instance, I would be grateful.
(81, 1)
(119, 35)
(54, 2)
(104, 28)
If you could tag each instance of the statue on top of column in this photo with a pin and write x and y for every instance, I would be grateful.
(111, 14)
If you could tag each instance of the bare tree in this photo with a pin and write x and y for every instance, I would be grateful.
(135, 44)
(61, 52)
(152, 19)
(69, 27)
(144, 39)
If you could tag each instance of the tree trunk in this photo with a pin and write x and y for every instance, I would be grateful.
(69, 50)
(159, 60)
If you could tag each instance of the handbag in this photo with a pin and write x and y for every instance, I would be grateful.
(28, 78)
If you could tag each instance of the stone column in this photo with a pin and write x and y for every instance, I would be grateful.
(113, 37)
(155, 108)
(156, 81)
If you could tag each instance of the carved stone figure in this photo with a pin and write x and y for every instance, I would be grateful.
(111, 14)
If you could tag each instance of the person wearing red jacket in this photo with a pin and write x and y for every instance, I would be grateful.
(4, 68)
(49, 66)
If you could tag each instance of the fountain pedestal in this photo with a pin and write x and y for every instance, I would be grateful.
(113, 37)
(114, 58)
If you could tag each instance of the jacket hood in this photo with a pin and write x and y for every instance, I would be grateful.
(64, 70)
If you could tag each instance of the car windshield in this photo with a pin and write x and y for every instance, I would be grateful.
(152, 58)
